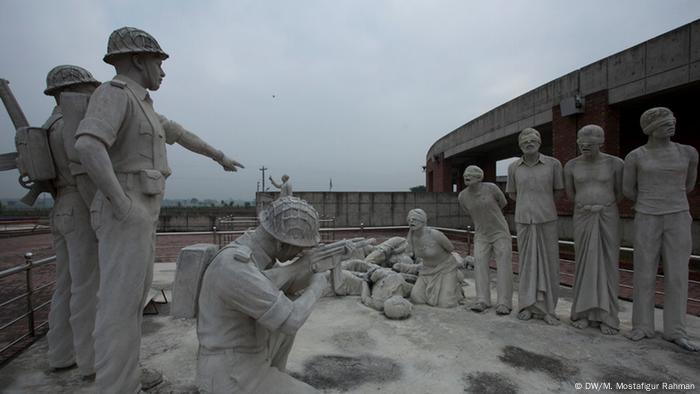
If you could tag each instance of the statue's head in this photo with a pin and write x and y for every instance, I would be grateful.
(658, 122)
(417, 219)
(473, 175)
(135, 50)
(293, 222)
(69, 78)
(529, 140)
(589, 139)
(285, 178)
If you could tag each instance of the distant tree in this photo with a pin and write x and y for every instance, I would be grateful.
(420, 188)
(179, 204)
(223, 203)
(1, 206)
(194, 201)
(247, 204)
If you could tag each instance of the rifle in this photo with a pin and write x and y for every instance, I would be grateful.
(8, 161)
(327, 256)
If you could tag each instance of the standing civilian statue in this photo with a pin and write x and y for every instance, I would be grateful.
(593, 182)
(74, 300)
(121, 144)
(484, 202)
(439, 283)
(533, 181)
(657, 177)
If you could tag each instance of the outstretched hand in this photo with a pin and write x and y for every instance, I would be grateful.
(230, 164)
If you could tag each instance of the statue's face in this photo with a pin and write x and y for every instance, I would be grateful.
(152, 71)
(415, 222)
(530, 144)
(665, 129)
(588, 148)
(471, 179)
(287, 251)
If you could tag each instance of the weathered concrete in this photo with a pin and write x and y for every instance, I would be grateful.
(349, 348)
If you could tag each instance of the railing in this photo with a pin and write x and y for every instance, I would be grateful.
(31, 310)
(230, 227)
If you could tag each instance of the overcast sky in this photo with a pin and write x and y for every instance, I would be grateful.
(354, 90)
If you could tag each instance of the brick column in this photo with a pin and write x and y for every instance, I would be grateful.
(438, 174)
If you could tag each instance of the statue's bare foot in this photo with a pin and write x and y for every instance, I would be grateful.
(636, 334)
(686, 345)
(525, 315)
(479, 307)
(607, 330)
(502, 310)
(580, 324)
(551, 320)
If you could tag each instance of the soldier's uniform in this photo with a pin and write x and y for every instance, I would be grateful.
(240, 312)
(121, 116)
(242, 348)
(73, 304)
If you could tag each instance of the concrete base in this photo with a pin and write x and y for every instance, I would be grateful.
(347, 347)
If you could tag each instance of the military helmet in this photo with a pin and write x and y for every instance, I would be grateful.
(61, 76)
(291, 220)
(131, 40)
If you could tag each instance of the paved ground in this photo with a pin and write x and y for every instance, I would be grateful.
(348, 348)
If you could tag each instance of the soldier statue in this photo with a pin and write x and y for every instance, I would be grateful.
(247, 318)
(121, 144)
(72, 315)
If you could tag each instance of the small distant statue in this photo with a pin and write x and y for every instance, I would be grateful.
(593, 182)
(532, 182)
(285, 187)
(484, 202)
(657, 177)
(247, 317)
(439, 283)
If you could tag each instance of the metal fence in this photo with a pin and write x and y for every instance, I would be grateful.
(229, 228)
(30, 312)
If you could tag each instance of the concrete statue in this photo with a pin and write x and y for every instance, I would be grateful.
(439, 283)
(121, 144)
(285, 187)
(657, 177)
(593, 181)
(247, 321)
(74, 300)
(389, 252)
(484, 202)
(533, 181)
(385, 290)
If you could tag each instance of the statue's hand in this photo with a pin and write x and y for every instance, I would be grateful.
(230, 164)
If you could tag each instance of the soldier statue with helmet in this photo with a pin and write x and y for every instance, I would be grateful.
(247, 321)
(121, 145)
(72, 316)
